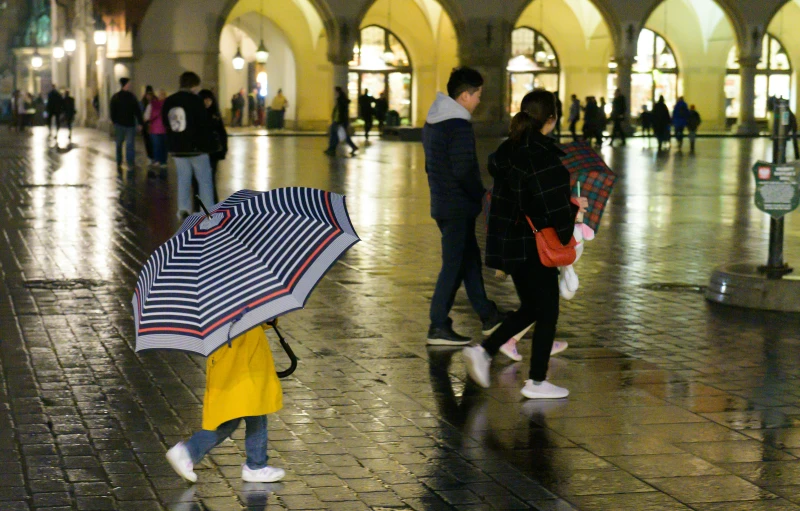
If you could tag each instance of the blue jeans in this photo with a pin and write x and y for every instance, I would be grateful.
(126, 135)
(200, 166)
(159, 148)
(255, 440)
(461, 262)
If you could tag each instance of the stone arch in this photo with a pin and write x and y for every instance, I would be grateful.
(609, 17)
(451, 7)
(729, 7)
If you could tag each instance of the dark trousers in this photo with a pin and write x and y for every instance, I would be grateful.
(68, 121)
(125, 135)
(148, 143)
(333, 141)
(367, 126)
(461, 262)
(617, 131)
(51, 117)
(679, 135)
(573, 129)
(537, 287)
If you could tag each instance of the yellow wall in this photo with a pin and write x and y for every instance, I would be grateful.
(314, 72)
(433, 55)
(583, 57)
(783, 27)
(702, 53)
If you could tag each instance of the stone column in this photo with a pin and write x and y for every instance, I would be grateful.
(486, 47)
(747, 95)
(343, 36)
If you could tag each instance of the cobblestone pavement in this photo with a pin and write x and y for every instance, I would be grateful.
(675, 404)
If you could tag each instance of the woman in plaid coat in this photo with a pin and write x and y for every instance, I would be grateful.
(529, 180)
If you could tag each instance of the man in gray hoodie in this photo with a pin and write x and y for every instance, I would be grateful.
(457, 192)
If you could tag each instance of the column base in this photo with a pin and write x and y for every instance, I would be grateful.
(747, 129)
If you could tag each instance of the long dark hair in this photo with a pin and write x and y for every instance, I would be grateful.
(214, 108)
(538, 107)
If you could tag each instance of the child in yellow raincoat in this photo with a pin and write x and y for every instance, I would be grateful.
(241, 382)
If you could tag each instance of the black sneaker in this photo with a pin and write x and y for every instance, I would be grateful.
(493, 323)
(440, 336)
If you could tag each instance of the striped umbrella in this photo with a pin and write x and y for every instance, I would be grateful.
(257, 255)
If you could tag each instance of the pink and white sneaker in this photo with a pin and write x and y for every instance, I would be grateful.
(509, 349)
(558, 347)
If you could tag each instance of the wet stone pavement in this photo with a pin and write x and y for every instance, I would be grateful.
(676, 403)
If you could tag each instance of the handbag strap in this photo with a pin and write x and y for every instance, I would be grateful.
(533, 227)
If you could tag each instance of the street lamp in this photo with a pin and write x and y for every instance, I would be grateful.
(58, 52)
(100, 34)
(36, 60)
(70, 45)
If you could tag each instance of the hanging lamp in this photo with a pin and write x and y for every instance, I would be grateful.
(262, 54)
(388, 54)
(36, 60)
(238, 60)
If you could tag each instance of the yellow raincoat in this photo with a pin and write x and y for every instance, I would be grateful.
(241, 381)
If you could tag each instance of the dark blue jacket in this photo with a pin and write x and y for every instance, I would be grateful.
(451, 162)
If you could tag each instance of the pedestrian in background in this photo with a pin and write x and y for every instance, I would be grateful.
(279, 104)
(560, 113)
(693, 122)
(602, 122)
(530, 181)
(55, 103)
(68, 111)
(219, 134)
(381, 109)
(680, 119)
(127, 119)
(646, 123)
(158, 132)
(456, 191)
(148, 143)
(189, 141)
(366, 106)
(15, 99)
(590, 119)
(661, 122)
(619, 107)
(252, 107)
(574, 116)
(340, 125)
(237, 109)
(241, 383)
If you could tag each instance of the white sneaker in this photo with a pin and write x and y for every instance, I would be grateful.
(181, 462)
(509, 349)
(477, 361)
(544, 390)
(262, 475)
(558, 347)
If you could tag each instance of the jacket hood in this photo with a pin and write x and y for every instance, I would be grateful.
(445, 108)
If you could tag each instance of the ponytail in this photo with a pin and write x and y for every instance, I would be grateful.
(522, 124)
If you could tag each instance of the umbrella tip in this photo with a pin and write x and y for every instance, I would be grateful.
(205, 210)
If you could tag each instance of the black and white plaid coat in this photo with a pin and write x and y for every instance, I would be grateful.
(529, 179)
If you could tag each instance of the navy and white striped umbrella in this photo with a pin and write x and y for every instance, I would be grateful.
(257, 256)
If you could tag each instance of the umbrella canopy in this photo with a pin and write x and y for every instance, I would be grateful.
(597, 180)
(256, 256)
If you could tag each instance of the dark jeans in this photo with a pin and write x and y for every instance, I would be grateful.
(537, 287)
(333, 141)
(367, 126)
(618, 131)
(51, 117)
(573, 129)
(159, 143)
(255, 440)
(125, 135)
(148, 143)
(461, 262)
(679, 134)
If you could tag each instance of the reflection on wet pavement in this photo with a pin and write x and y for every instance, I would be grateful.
(675, 403)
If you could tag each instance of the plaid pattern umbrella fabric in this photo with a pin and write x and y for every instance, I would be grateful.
(256, 256)
(597, 180)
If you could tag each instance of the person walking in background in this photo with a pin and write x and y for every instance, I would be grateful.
(127, 119)
(366, 105)
(340, 125)
(68, 111)
(53, 109)
(680, 118)
(252, 107)
(590, 119)
(148, 143)
(560, 113)
(189, 140)
(646, 122)
(602, 122)
(693, 122)
(456, 190)
(381, 109)
(23, 103)
(279, 104)
(619, 107)
(529, 181)
(237, 108)
(15, 99)
(241, 383)
(219, 134)
(158, 132)
(574, 116)
(661, 122)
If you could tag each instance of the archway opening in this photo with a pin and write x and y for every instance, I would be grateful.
(782, 81)
(558, 45)
(682, 52)
(405, 48)
(773, 79)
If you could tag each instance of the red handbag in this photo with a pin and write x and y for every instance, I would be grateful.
(551, 252)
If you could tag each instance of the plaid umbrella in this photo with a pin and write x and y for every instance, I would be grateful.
(597, 180)
(257, 255)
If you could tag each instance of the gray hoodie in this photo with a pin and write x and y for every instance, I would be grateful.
(445, 108)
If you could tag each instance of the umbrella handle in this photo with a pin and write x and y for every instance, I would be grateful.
(287, 349)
